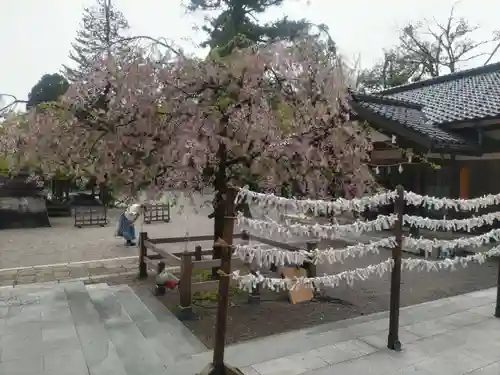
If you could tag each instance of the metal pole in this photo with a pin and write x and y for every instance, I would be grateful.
(393, 339)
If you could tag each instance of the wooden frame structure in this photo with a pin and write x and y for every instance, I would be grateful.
(157, 212)
(88, 216)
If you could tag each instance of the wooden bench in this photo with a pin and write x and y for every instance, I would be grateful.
(87, 216)
(157, 212)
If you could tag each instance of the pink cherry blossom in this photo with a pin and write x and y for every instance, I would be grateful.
(273, 114)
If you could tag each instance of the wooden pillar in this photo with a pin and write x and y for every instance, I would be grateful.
(197, 253)
(416, 188)
(393, 342)
(464, 182)
(143, 253)
(185, 294)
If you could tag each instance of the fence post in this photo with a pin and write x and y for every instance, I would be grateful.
(393, 338)
(497, 308)
(185, 295)
(197, 253)
(254, 296)
(310, 267)
(143, 252)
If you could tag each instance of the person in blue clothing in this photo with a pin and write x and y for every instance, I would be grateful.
(126, 223)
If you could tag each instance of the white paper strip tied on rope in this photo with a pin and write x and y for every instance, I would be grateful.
(333, 231)
(435, 203)
(473, 242)
(265, 256)
(449, 264)
(250, 281)
(316, 207)
(451, 224)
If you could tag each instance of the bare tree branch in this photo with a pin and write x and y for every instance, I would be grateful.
(430, 48)
(4, 110)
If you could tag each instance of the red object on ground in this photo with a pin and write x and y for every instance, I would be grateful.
(170, 284)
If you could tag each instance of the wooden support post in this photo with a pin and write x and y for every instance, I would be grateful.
(143, 253)
(254, 296)
(197, 253)
(185, 308)
(310, 267)
(218, 367)
(497, 308)
(393, 339)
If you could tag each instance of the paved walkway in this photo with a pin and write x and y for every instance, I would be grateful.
(101, 329)
(73, 271)
(452, 336)
(63, 243)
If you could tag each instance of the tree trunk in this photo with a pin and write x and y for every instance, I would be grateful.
(220, 185)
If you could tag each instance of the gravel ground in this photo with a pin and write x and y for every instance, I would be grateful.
(63, 243)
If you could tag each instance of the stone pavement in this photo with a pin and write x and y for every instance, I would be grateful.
(101, 329)
(63, 243)
(452, 336)
(62, 272)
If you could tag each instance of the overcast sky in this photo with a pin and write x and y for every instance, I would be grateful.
(35, 35)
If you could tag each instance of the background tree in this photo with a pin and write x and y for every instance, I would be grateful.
(103, 32)
(428, 49)
(48, 89)
(235, 23)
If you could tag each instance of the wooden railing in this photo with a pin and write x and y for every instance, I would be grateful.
(189, 262)
(86, 216)
(157, 212)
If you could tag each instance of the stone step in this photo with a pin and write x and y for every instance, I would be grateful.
(172, 340)
(99, 351)
(136, 353)
(169, 320)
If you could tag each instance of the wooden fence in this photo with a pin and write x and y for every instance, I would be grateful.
(157, 212)
(87, 216)
(188, 261)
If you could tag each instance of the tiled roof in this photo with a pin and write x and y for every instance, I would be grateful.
(414, 119)
(409, 115)
(429, 107)
(468, 95)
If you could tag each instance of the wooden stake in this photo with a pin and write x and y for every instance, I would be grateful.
(197, 253)
(393, 339)
(185, 294)
(143, 252)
